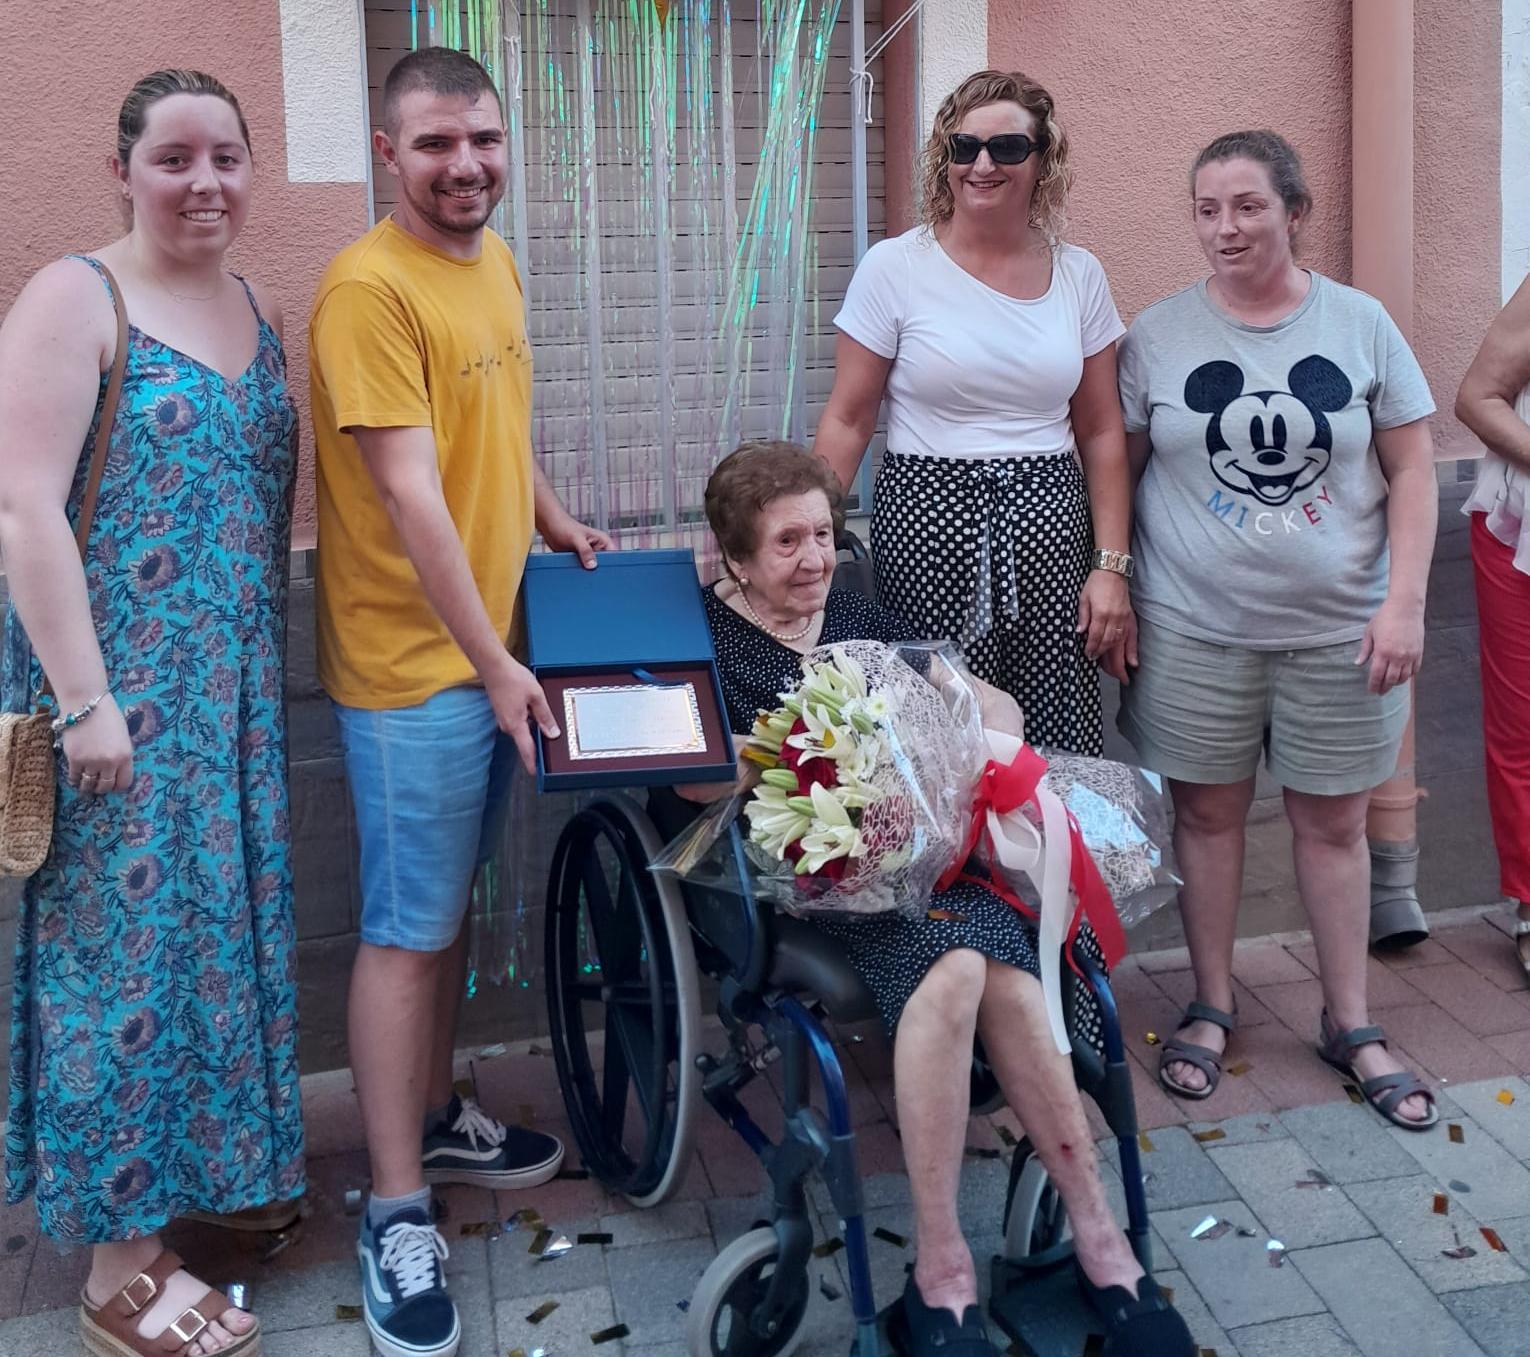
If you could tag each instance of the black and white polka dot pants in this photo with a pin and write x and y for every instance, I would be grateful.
(992, 555)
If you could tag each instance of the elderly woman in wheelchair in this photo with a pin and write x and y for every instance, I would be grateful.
(969, 969)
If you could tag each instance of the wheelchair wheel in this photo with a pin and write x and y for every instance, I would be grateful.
(620, 965)
(1036, 1230)
(729, 1292)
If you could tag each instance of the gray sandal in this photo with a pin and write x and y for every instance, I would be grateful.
(1207, 1061)
(1385, 1091)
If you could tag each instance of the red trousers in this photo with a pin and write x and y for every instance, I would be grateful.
(1503, 615)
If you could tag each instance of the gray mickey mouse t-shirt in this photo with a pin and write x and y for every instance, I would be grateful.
(1260, 520)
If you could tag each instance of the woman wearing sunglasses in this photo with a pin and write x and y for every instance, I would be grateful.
(1001, 513)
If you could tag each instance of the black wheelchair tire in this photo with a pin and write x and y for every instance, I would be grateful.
(648, 988)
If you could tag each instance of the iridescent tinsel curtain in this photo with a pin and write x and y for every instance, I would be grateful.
(680, 271)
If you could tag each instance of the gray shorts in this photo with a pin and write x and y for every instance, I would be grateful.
(1200, 712)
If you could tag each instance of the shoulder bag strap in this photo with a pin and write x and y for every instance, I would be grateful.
(103, 430)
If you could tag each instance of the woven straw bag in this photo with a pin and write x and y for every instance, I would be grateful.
(27, 766)
(26, 792)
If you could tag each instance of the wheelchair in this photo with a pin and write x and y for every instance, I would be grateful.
(626, 953)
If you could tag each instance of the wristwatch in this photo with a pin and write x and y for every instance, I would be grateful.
(1117, 562)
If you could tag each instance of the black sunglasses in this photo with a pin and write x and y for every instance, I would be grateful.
(1011, 148)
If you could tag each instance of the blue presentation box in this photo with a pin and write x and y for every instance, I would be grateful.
(637, 620)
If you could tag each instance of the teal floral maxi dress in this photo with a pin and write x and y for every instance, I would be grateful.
(154, 1028)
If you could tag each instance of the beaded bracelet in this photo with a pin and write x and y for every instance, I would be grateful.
(60, 724)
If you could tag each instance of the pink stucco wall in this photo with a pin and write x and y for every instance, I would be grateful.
(1142, 86)
(58, 107)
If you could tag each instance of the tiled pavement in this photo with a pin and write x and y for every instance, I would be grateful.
(1366, 1269)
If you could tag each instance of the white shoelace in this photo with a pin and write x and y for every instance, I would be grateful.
(476, 1125)
(410, 1253)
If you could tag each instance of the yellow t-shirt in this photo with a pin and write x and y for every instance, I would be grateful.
(405, 335)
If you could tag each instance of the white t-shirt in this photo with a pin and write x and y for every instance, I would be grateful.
(1502, 493)
(976, 373)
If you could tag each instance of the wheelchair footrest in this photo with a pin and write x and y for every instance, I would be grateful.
(1041, 1312)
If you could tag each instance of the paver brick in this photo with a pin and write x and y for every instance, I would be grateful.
(1180, 988)
(1380, 1302)
(1258, 962)
(1487, 950)
(1232, 1273)
(514, 1271)
(657, 1225)
(1204, 1329)
(1402, 1210)
(1350, 1144)
(566, 1329)
(1478, 1004)
(1249, 1129)
(1286, 1068)
(1266, 1177)
(1310, 1335)
(648, 1286)
(1183, 1174)
(1514, 1047)
(1426, 953)
(1479, 1160)
(1495, 1316)
(1508, 1125)
(333, 1340)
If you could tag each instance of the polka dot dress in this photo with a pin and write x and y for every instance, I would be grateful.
(890, 952)
(993, 555)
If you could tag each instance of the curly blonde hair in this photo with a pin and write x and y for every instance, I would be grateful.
(1049, 202)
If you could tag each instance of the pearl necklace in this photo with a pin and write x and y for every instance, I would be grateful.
(782, 636)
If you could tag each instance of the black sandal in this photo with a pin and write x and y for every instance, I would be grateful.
(1386, 1091)
(1144, 1325)
(919, 1330)
(1207, 1061)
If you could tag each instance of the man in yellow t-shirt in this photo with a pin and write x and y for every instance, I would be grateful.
(428, 497)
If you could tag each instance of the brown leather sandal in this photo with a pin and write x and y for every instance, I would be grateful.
(271, 1218)
(111, 1330)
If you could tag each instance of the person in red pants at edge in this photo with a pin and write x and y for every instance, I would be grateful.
(1494, 403)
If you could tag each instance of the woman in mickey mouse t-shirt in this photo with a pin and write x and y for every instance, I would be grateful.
(1284, 523)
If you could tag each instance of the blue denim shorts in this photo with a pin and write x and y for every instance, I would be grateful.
(429, 785)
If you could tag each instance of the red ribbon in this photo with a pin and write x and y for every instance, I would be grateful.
(1003, 788)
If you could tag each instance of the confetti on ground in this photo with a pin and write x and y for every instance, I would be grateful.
(1456, 1185)
(542, 1311)
(1144, 1143)
(1493, 1240)
(1316, 1178)
(593, 1237)
(527, 1215)
(889, 1237)
(348, 1314)
(558, 1246)
(1216, 1134)
(493, 1052)
(1505, 1097)
(1441, 1204)
(1245, 1233)
(1205, 1228)
(1460, 1251)
(857, 1038)
(610, 1335)
(1456, 1134)
(540, 1241)
(1151, 1038)
(1276, 1252)
(828, 1248)
(1242, 1067)
(1168, 1293)
(1355, 1096)
(470, 1228)
(828, 1290)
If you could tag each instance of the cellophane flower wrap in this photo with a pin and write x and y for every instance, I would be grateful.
(863, 797)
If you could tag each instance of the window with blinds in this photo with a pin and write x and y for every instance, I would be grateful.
(680, 204)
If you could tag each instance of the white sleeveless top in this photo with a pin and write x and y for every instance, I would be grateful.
(1501, 493)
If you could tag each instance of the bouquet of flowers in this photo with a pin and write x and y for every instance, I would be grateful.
(864, 767)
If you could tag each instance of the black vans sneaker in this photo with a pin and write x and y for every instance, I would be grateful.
(403, 1287)
(469, 1146)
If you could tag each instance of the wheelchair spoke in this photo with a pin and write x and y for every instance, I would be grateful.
(615, 1080)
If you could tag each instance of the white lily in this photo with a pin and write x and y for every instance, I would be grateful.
(833, 834)
(772, 823)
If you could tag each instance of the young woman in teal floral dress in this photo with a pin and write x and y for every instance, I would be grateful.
(153, 1042)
